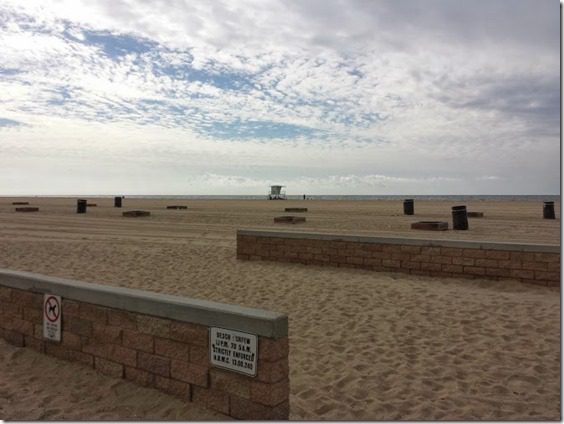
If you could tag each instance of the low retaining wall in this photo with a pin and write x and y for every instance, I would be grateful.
(155, 340)
(530, 263)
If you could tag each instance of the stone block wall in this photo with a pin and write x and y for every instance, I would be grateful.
(530, 263)
(152, 348)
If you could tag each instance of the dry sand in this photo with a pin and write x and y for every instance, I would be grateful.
(363, 345)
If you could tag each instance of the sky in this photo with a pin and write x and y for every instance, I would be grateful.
(322, 96)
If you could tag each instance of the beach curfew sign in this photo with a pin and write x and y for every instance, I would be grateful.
(233, 350)
(52, 317)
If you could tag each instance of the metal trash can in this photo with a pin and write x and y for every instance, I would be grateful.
(408, 208)
(459, 218)
(81, 205)
(548, 210)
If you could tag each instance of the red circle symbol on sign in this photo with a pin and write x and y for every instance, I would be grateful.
(52, 309)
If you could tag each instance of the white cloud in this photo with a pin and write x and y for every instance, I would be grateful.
(387, 86)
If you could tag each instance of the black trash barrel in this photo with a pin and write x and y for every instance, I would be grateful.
(408, 207)
(117, 202)
(548, 210)
(459, 218)
(81, 206)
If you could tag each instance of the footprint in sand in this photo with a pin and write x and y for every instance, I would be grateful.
(522, 383)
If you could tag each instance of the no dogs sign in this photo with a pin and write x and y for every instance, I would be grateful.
(52, 317)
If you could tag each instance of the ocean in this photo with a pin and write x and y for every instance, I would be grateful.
(470, 197)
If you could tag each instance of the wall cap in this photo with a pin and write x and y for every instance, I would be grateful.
(212, 314)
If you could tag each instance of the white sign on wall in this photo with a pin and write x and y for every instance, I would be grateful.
(52, 311)
(233, 350)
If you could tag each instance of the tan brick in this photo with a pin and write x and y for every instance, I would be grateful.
(248, 410)
(549, 276)
(354, 260)
(122, 355)
(272, 350)
(415, 250)
(94, 348)
(138, 341)
(242, 257)
(270, 394)
(35, 344)
(444, 260)
(547, 257)
(230, 382)
(199, 355)
(410, 265)
(123, 319)
(523, 256)
(106, 333)
(372, 262)
(173, 387)
(172, 349)
(153, 325)
(70, 307)
(71, 341)
(189, 333)
(391, 263)
(420, 258)
(25, 298)
(402, 256)
(431, 251)
(487, 263)
(77, 326)
(189, 373)
(463, 261)
(272, 372)
(430, 267)
(11, 310)
(510, 264)
(5, 294)
(535, 266)
(452, 268)
(143, 378)
(521, 273)
(451, 251)
(154, 364)
(211, 399)
(94, 313)
(554, 266)
(380, 255)
(33, 315)
(391, 248)
(21, 326)
(373, 247)
(475, 270)
(321, 257)
(474, 253)
(497, 254)
(110, 368)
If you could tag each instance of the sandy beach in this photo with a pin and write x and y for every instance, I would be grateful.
(363, 345)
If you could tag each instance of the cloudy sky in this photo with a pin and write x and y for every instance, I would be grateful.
(325, 97)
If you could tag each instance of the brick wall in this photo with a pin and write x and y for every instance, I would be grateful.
(536, 264)
(154, 351)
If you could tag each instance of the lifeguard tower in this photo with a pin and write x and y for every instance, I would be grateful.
(277, 192)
